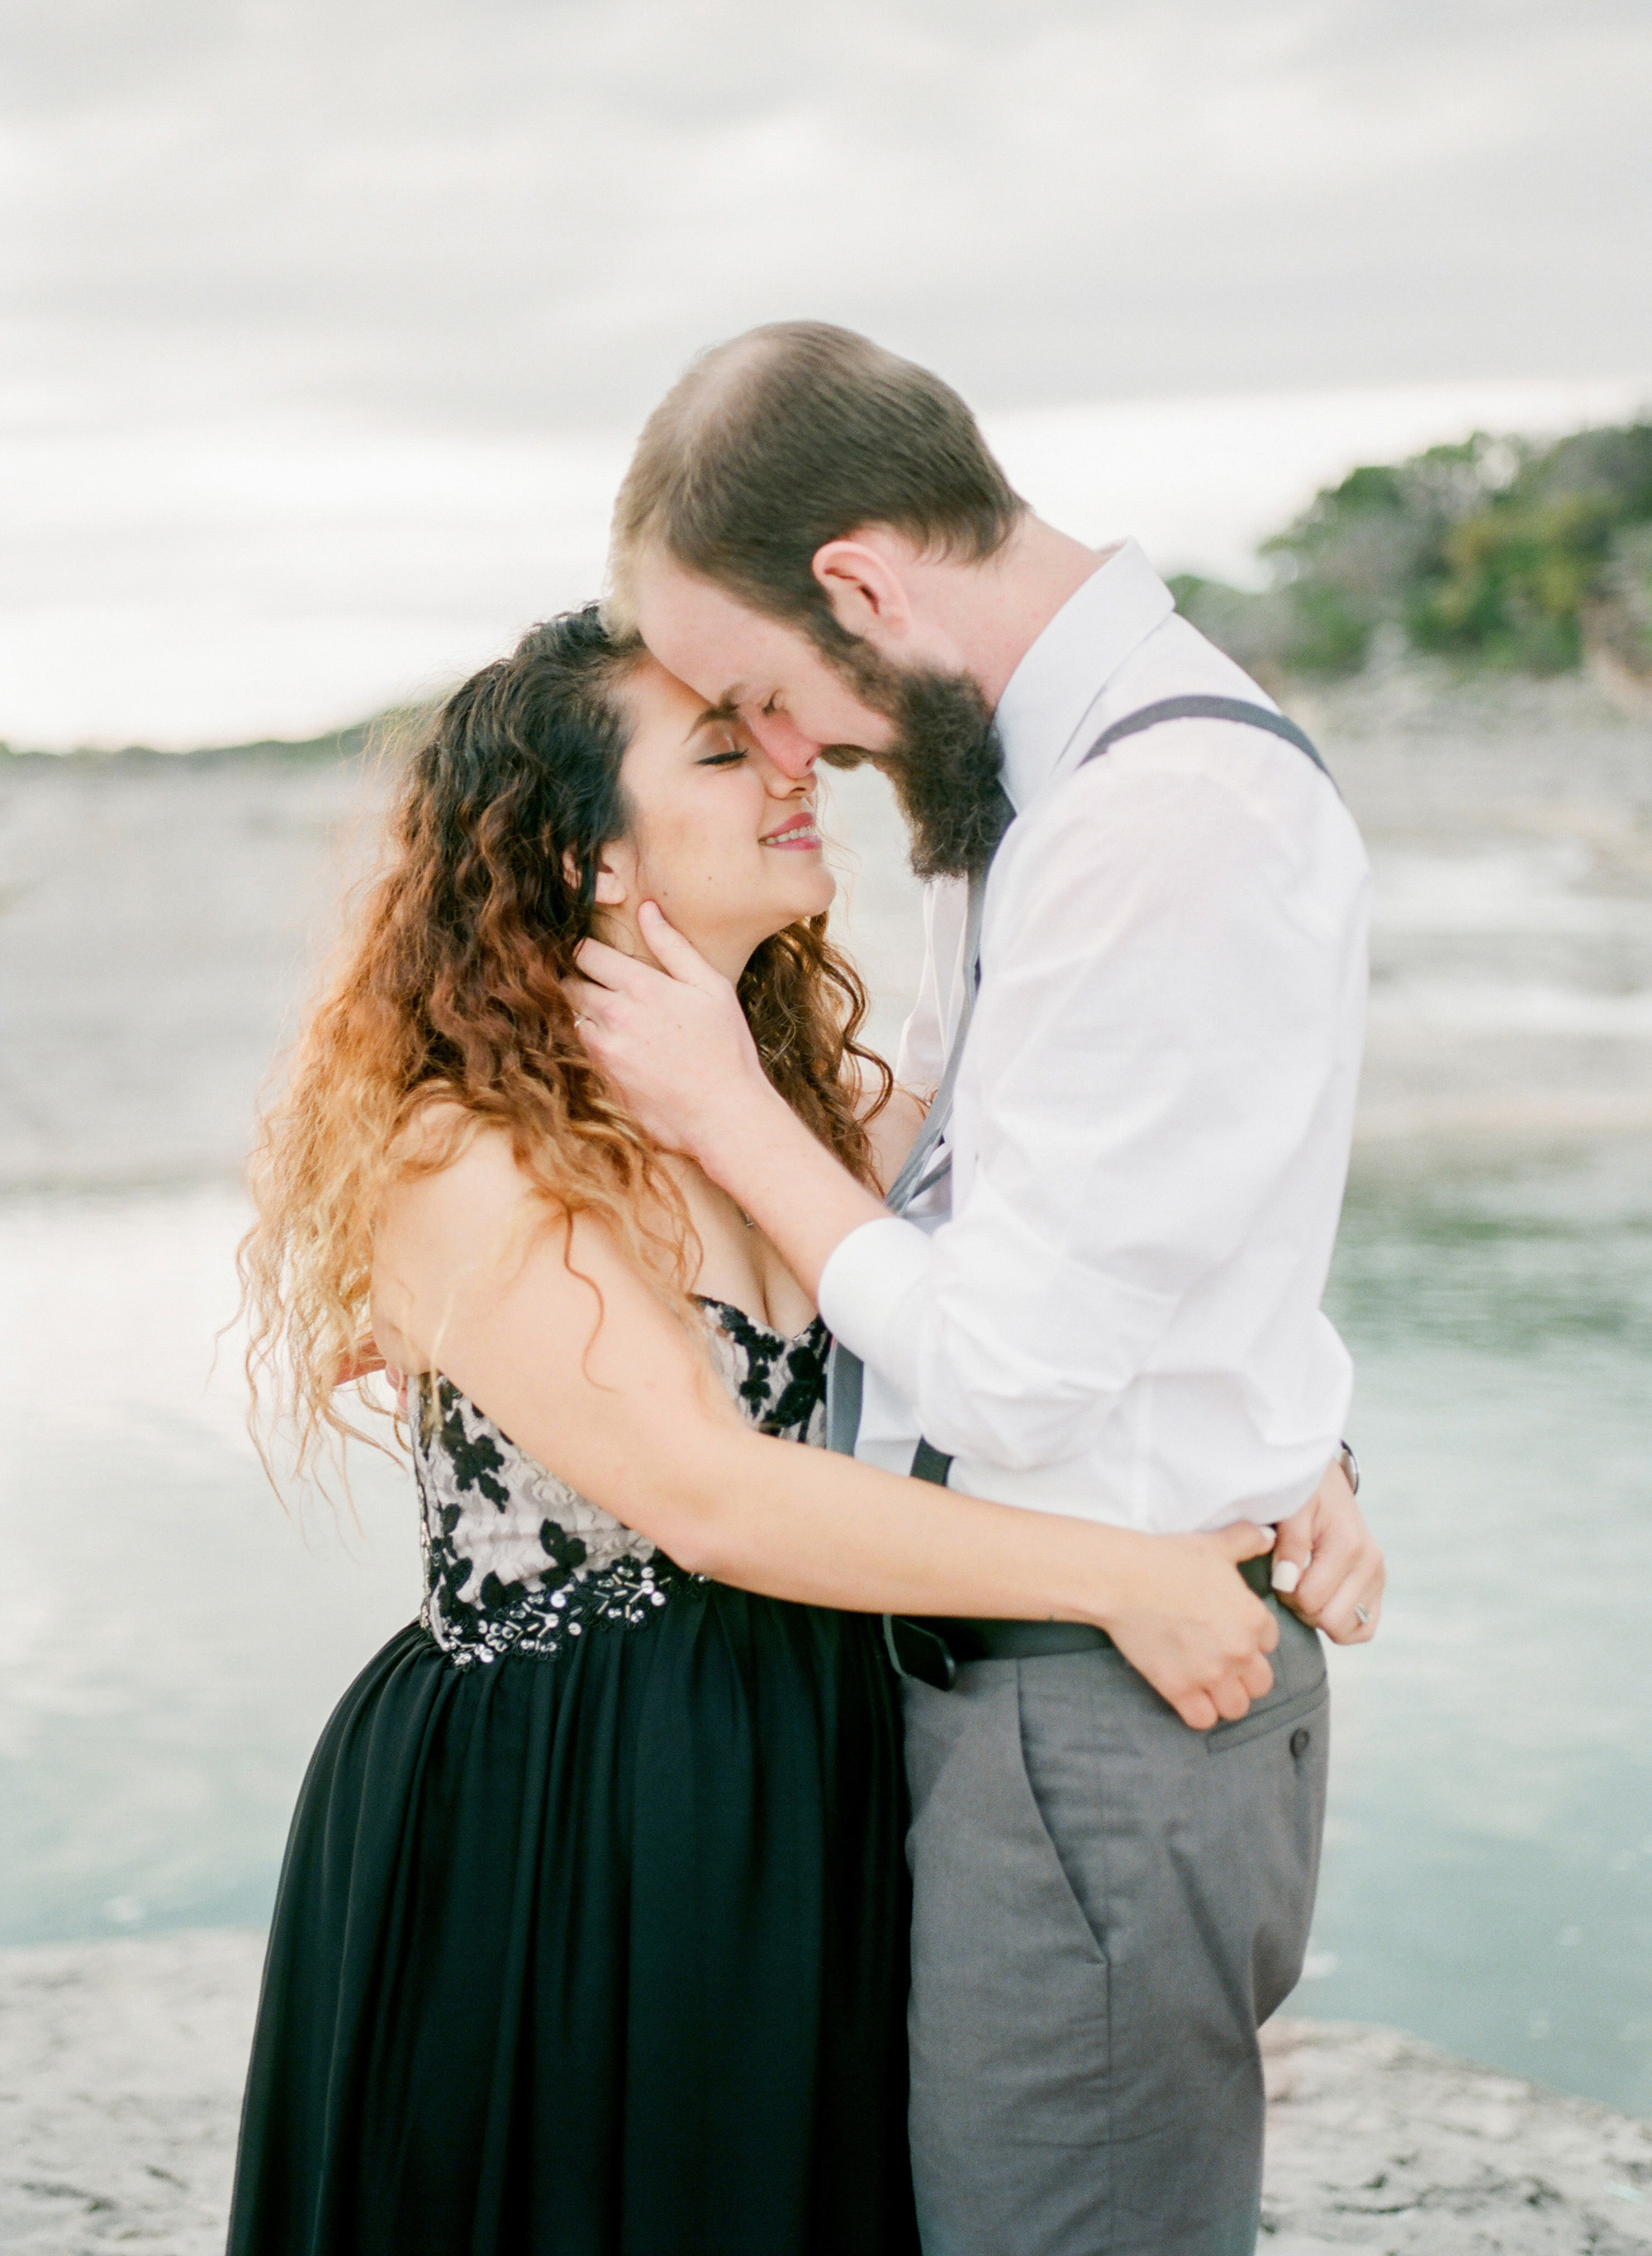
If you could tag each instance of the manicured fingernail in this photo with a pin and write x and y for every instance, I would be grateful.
(1287, 1574)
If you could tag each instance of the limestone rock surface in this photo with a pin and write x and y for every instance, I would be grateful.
(121, 2065)
(1378, 2142)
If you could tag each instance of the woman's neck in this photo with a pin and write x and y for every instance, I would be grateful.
(618, 928)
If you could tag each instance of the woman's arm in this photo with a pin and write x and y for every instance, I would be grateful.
(554, 1334)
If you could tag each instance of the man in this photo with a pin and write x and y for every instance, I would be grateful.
(1099, 1291)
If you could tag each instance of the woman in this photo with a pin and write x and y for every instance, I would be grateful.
(591, 1934)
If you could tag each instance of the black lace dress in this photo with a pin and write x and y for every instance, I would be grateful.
(591, 1937)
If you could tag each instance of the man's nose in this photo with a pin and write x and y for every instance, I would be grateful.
(784, 743)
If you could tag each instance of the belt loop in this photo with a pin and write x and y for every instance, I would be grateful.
(918, 1653)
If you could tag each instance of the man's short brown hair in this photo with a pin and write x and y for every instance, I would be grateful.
(788, 437)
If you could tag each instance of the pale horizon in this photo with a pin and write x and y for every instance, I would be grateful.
(285, 577)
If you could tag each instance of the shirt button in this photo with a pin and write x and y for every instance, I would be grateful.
(1299, 1741)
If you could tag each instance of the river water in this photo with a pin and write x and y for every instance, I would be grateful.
(169, 1642)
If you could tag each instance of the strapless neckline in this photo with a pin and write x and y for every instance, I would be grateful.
(516, 1561)
(754, 1323)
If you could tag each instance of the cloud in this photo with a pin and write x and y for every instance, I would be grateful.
(488, 212)
(309, 300)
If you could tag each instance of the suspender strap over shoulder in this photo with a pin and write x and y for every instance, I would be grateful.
(1208, 709)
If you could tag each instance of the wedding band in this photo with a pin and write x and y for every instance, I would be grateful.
(1361, 1616)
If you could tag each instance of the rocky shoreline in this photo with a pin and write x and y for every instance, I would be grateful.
(121, 2066)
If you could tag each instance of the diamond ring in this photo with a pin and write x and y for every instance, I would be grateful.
(1362, 1616)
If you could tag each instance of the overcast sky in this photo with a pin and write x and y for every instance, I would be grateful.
(493, 223)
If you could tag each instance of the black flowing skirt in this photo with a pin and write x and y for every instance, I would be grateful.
(596, 1954)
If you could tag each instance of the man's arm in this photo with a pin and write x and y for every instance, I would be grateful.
(680, 1046)
(1159, 1025)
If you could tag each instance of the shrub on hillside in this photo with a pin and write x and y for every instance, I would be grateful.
(1500, 550)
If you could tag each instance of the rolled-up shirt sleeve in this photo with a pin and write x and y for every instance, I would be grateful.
(873, 1294)
(1158, 1020)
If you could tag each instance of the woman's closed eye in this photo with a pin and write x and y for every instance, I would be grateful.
(730, 756)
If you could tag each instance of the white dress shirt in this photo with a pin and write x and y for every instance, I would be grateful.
(1112, 1310)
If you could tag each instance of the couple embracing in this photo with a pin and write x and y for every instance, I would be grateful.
(759, 1847)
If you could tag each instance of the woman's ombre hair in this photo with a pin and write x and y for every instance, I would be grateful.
(447, 1013)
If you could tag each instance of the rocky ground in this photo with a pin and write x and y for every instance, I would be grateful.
(121, 2066)
(1376, 2142)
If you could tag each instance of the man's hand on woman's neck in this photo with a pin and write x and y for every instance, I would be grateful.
(619, 929)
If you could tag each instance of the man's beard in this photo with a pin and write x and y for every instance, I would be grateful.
(945, 762)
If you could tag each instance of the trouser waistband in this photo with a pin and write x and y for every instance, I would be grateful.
(932, 1647)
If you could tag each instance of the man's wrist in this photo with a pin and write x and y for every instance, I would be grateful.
(737, 1131)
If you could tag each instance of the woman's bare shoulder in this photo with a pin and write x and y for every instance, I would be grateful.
(460, 1217)
(455, 1175)
(893, 1129)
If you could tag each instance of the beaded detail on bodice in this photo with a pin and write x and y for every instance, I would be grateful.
(517, 1562)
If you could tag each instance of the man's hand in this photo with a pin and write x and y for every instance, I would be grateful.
(676, 1045)
(1193, 1629)
(674, 1041)
(1327, 1567)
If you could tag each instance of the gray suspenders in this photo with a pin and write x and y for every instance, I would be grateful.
(922, 1168)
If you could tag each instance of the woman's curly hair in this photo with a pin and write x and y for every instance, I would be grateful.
(447, 1009)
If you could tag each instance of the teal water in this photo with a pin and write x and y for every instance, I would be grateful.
(1488, 1869)
(170, 1643)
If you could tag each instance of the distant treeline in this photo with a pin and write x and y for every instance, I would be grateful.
(1502, 551)
(337, 745)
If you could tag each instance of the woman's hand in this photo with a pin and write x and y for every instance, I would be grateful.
(1327, 1567)
(1190, 1624)
(360, 1361)
(364, 1361)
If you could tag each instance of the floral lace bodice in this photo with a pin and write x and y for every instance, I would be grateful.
(517, 1562)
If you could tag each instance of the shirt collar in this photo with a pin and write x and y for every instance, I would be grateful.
(1060, 678)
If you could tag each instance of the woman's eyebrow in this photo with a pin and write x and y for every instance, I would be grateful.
(715, 717)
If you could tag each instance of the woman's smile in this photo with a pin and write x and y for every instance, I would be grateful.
(797, 834)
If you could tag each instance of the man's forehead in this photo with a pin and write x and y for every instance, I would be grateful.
(704, 634)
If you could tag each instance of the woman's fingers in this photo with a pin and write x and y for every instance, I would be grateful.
(1195, 1632)
(359, 1361)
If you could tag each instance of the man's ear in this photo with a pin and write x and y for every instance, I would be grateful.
(615, 871)
(866, 592)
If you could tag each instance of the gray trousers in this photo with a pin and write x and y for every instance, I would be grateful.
(1106, 1906)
